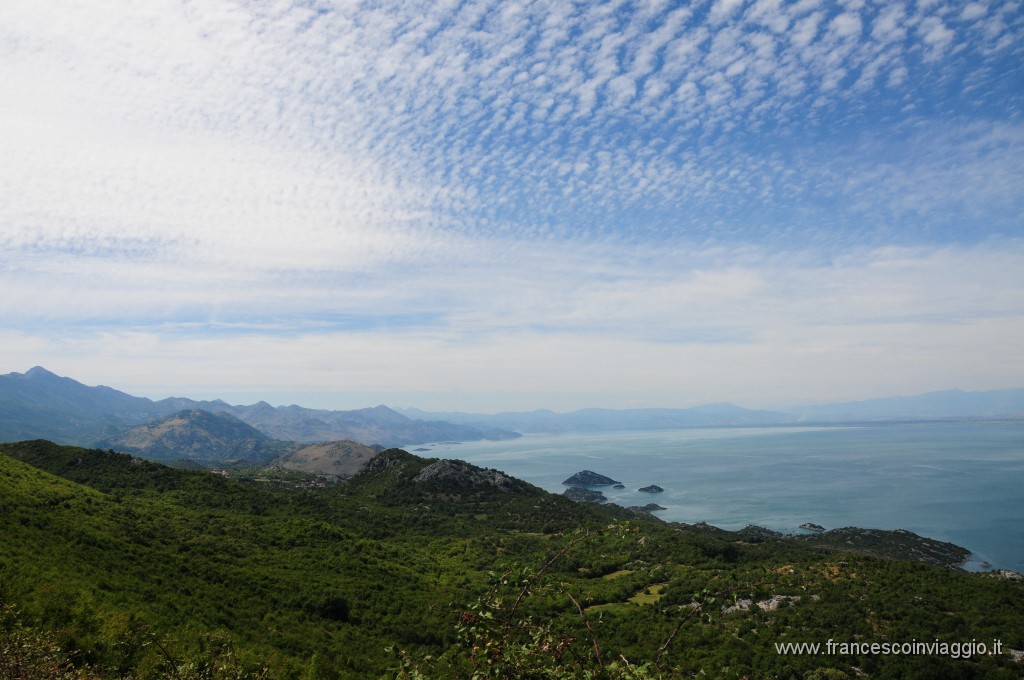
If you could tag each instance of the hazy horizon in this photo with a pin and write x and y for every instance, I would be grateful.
(453, 403)
(485, 206)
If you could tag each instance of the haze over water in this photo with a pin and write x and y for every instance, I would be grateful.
(958, 482)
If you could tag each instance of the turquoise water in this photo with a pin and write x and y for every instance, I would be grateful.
(958, 482)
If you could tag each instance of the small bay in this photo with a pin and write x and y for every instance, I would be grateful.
(954, 481)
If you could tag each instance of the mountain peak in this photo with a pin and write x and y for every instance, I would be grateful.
(40, 373)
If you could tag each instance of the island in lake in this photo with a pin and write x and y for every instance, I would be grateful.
(589, 478)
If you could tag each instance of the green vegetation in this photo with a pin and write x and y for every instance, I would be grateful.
(116, 567)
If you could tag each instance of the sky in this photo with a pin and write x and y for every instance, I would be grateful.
(487, 206)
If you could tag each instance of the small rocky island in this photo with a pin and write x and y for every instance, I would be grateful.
(653, 488)
(811, 526)
(589, 478)
(582, 495)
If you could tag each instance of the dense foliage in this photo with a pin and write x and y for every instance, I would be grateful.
(116, 567)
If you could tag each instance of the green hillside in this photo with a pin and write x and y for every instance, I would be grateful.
(115, 567)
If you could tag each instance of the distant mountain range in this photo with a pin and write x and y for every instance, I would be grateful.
(40, 405)
(949, 404)
(955, 404)
(606, 420)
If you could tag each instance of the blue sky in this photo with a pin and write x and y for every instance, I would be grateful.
(494, 205)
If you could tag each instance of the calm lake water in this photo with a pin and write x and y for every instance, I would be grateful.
(958, 482)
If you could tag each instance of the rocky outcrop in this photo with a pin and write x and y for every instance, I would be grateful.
(385, 460)
(650, 507)
(653, 488)
(1006, 574)
(581, 495)
(811, 526)
(589, 478)
(459, 474)
(769, 605)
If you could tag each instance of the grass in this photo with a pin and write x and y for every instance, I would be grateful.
(649, 595)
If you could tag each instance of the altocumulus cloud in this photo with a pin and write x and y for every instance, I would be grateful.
(761, 201)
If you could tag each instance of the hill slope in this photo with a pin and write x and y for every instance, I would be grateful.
(197, 435)
(137, 569)
(339, 459)
(222, 439)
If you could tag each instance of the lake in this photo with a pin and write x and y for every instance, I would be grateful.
(958, 482)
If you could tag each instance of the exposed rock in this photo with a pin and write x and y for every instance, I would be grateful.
(1007, 574)
(582, 495)
(650, 507)
(385, 461)
(653, 488)
(810, 526)
(589, 478)
(458, 473)
(619, 486)
(768, 605)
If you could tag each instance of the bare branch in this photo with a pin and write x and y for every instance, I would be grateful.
(593, 639)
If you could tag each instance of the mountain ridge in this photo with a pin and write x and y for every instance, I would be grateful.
(602, 419)
(953, 403)
(39, 404)
(943, 404)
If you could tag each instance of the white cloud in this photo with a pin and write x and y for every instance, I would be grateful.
(545, 171)
(972, 11)
(723, 9)
(806, 29)
(888, 26)
(622, 90)
(936, 36)
(846, 25)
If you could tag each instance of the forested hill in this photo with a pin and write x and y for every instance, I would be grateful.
(116, 567)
